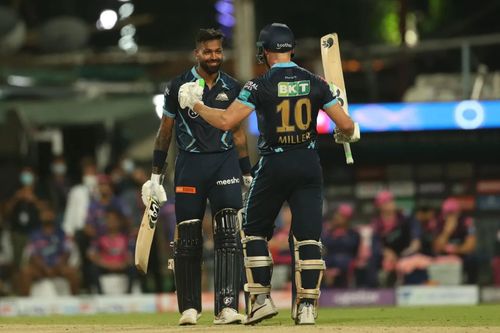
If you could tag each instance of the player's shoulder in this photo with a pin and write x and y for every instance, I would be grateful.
(312, 76)
(229, 81)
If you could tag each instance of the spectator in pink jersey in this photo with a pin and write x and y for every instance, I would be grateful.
(457, 236)
(109, 252)
(396, 234)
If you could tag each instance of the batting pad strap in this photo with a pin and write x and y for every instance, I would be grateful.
(316, 264)
(307, 242)
(245, 239)
(258, 261)
(256, 288)
(308, 293)
(189, 222)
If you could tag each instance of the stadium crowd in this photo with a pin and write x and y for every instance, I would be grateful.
(79, 232)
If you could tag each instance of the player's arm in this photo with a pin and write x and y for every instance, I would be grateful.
(240, 142)
(224, 119)
(342, 121)
(162, 143)
(153, 187)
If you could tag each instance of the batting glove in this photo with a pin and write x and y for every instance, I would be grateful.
(153, 188)
(190, 93)
(341, 138)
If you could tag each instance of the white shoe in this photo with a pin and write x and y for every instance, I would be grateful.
(305, 315)
(229, 316)
(189, 317)
(262, 308)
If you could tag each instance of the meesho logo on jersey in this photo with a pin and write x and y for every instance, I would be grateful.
(296, 88)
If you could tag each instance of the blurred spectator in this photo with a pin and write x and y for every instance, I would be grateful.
(426, 216)
(109, 252)
(457, 236)
(122, 175)
(22, 212)
(96, 224)
(341, 243)
(76, 212)
(79, 198)
(48, 253)
(6, 256)
(397, 235)
(496, 260)
(280, 249)
(57, 186)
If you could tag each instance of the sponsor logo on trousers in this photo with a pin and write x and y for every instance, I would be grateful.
(230, 181)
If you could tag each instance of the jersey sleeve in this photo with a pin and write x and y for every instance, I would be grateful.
(248, 94)
(170, 100)
(328, 98)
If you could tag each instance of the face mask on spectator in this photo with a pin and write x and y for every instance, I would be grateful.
(90, 181)
(59, 168)
(128, 166)
(26, 178)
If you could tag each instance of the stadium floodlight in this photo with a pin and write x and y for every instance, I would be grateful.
(126, 10)
(107, 19)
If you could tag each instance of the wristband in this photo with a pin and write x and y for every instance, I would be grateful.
(159, 158)
(245, 165)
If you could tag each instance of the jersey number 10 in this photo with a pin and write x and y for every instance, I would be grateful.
(301, 121)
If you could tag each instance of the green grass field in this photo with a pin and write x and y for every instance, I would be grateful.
(483, 316)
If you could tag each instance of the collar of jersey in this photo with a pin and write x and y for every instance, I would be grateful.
(283, 64)
(197, 76)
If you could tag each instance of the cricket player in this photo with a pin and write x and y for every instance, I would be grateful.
(287, 99)
(207, 167)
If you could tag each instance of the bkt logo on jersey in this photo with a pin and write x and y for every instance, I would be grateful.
(296, 88)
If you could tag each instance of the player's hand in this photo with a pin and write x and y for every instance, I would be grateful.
(341, 138)
(247, 181)
(153, 188)
(190, 93)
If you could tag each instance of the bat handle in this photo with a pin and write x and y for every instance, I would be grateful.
(348, 153)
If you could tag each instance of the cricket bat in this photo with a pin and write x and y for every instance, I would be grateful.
(145, 235)
(332, 66)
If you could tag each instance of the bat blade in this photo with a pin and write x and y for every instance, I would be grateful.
(145, 235)
(332, 66)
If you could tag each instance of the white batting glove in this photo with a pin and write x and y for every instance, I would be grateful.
(247, 180)
(153, 188)
(342, 138)
(190, 93)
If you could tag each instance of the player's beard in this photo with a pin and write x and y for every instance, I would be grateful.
(211, 67)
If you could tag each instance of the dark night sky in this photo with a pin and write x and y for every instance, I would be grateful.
(357, 20)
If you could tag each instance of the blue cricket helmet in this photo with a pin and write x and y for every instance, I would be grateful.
(276, 37)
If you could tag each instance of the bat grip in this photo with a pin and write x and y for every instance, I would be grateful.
(348, 153)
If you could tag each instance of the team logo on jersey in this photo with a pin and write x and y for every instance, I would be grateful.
(250, 85)
(192, 114)
(222, 97)
(295, 88)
